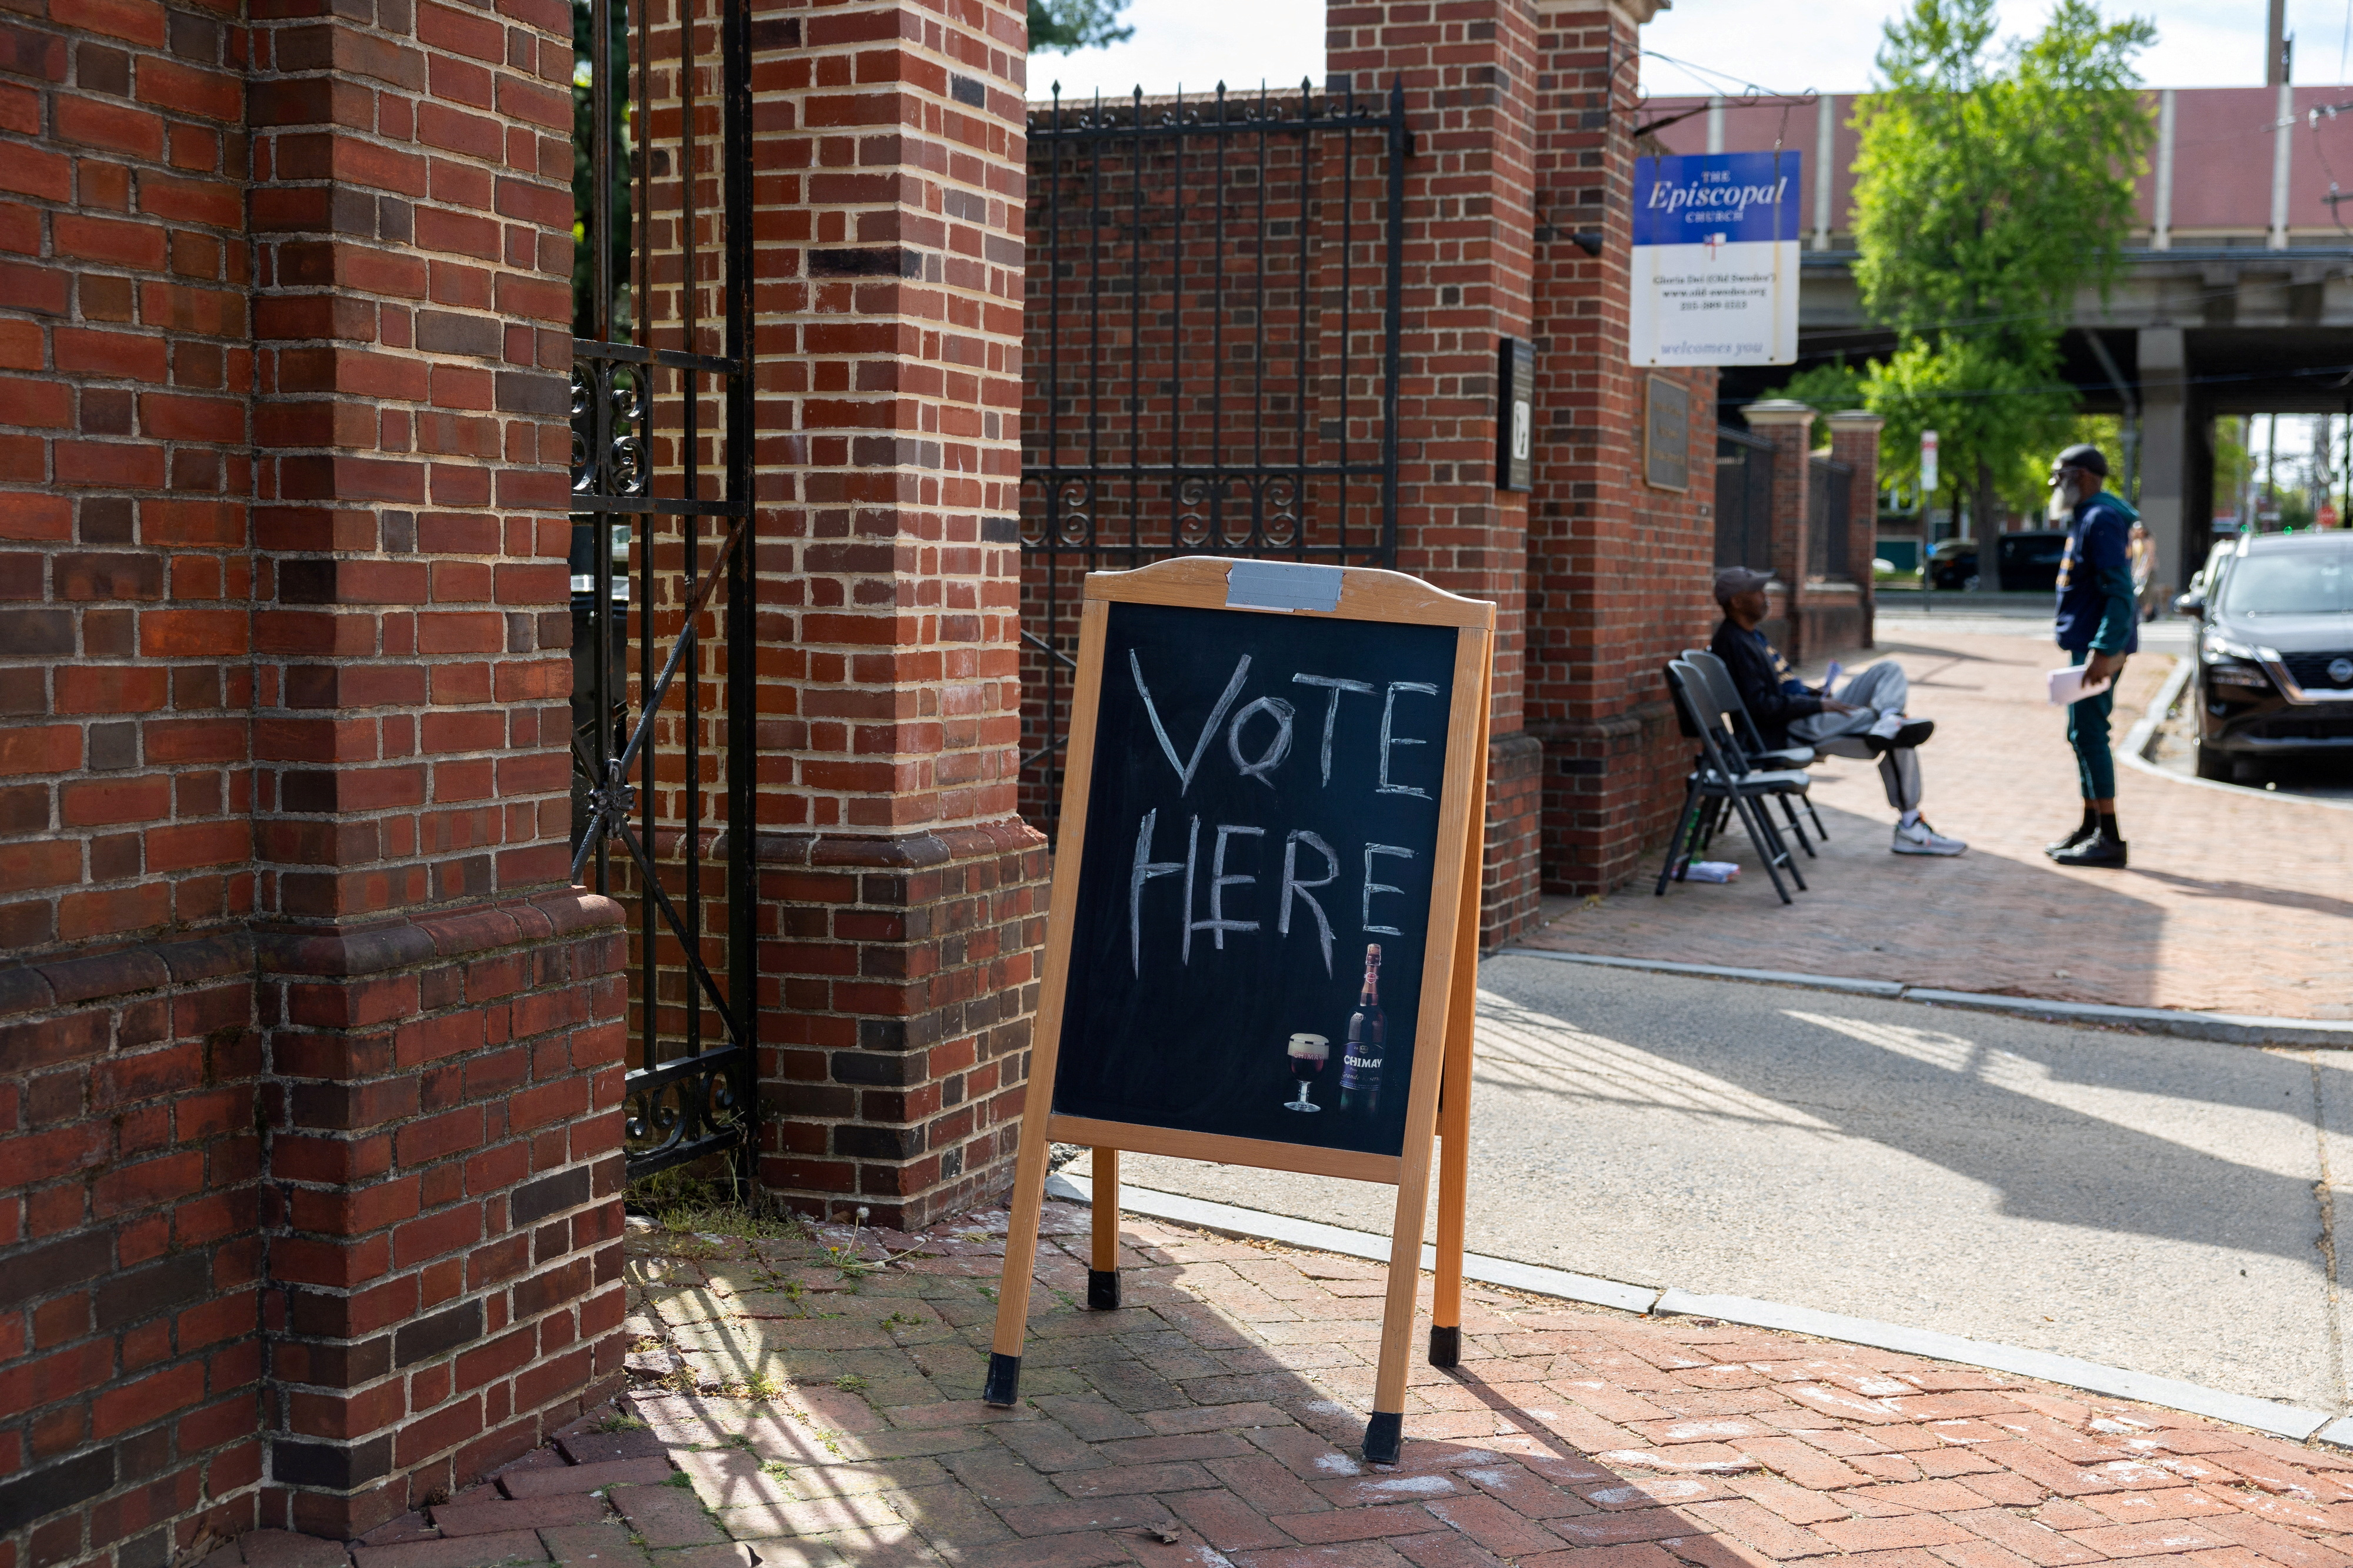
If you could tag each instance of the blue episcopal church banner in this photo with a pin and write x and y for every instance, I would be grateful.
(1715, 259)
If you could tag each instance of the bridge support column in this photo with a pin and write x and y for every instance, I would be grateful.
(2165, 455)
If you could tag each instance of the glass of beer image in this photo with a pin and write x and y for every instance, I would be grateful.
(1308, 1054)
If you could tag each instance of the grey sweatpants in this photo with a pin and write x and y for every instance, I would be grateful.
(1882, 689)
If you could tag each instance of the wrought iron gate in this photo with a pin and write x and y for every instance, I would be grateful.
(1211, 349)
(1744, 500)
(661, 546)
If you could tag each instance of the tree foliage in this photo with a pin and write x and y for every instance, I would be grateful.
(1066, 24)
(1994, 182)
(1827, 388)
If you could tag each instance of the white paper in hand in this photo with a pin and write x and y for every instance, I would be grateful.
(2068, 686)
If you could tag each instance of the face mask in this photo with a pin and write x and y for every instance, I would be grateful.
(2063, 501)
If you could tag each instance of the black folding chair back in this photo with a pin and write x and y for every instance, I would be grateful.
(1718, 778)
(1744, 723)
(1749, 742)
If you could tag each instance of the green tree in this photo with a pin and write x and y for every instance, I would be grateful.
(1826, 389)
(1067, 25)
(1993, 182)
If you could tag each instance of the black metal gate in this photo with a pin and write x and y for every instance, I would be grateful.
(1826, 515)
(1210, 352)
(662, 704)
(1744, 500)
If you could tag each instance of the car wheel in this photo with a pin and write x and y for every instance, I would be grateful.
(2213, 765)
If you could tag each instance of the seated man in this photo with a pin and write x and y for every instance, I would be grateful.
(1865, 719)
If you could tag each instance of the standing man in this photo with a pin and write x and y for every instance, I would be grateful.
(2099, 627)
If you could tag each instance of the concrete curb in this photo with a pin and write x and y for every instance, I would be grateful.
(2227, 1028)
(2290, 1421)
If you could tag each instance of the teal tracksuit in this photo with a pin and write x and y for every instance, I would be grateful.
(2097, 614)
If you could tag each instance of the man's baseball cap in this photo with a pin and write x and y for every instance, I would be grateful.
(2087, 459)
(1738, 580)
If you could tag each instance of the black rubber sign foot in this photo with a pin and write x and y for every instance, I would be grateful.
(1445, 1346)
(1384, 1438)
(1103, 1289)
(1004, 1384)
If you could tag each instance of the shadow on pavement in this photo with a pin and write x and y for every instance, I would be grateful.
(1993, 1114)
(1209, 1422)
(1984, 921)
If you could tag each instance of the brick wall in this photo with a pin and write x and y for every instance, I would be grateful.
(1619, 568)
(901, 888)
(308, 1059)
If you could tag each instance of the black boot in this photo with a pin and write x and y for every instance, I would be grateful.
(2102, 848)
(2089, 826)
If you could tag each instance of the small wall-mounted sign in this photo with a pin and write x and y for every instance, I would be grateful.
(1666, 434)
(1515, 383)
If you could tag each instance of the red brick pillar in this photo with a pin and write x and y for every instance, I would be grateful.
(903, 896)
(308, 1055)
(1620, 550)
(1469, 76)
(1789, 426)
(131, 1262)
(441, 1011)
(1855, 441)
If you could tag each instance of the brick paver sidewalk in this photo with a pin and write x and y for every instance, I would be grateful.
(1213, 1421)
(2233, 902)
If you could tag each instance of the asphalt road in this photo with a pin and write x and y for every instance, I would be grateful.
(2150, 1204)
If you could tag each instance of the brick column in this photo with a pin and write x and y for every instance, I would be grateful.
(1469, 75)
(1855, 441)
(441, 1013)
(1789, 426)
(1619, 566)
(308, 1057)
(904, 898)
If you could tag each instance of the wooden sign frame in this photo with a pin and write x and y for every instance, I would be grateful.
(1438, 1101)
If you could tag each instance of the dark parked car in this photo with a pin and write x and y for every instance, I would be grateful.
(1953, 564)
(2274, 652)
(2029, 561)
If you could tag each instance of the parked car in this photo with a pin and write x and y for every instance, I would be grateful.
(2027, 561)
(2275, 673)
(1953, 565)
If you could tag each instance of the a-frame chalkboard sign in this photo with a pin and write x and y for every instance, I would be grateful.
(1264, 925)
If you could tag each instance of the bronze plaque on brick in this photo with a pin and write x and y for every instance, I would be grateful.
(1666, 434)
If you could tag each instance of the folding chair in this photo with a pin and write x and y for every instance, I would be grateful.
(1750, 741)
(1715, 778)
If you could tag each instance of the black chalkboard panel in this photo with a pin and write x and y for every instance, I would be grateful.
(1263, 808)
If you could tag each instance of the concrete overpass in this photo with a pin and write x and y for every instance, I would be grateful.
(2236, 296)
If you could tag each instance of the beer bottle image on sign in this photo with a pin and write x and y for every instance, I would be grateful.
(1369, 1033)
(1308, 1053)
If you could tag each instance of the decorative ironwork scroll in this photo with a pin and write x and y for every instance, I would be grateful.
(661, 544)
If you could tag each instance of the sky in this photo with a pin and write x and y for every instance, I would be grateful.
(1194, 44)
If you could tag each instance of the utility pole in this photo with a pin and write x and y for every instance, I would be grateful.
(2276, 46)
(2271, 468)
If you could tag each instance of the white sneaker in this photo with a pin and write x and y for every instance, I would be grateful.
(1885, 726)
(1922, 839)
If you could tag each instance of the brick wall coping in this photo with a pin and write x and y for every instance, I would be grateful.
(911, 851)
(1820, 588)
(440, 933)
(1858, 419)
(39, 987)
(1613, 726)
(1777, 411)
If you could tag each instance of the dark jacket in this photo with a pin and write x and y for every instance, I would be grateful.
(2096, 608)
(1775, 696)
